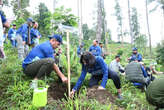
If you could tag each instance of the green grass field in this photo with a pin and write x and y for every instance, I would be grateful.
(15, 93)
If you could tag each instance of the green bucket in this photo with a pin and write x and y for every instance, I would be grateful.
(40, 97)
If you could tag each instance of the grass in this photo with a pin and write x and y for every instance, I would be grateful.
(15, 93)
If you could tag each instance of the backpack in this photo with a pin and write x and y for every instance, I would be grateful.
(134, 73)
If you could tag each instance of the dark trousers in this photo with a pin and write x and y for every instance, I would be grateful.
(111, 75)
(40, 68)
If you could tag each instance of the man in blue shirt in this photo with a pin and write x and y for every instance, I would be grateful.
(135, 55)
(23, 39)
(95, 49)
(40, 61)
(3, 23)
(35, 35)
(80, 50)
(12, 35)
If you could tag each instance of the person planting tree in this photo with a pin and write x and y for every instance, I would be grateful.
(40, 61)
(99, 71)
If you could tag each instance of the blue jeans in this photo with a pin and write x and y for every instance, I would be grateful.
(111, 75)
(13, 42)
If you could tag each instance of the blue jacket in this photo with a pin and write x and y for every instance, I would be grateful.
(79, 50)
(44, 50)
(100, 67)
(23, 31)
(3, 18)
(11, 33)
(136, 56)
(34, 33)
(95, 50)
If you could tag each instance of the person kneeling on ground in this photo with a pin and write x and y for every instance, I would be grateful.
(99, 71)
(155, 93)
(136, 73)
(40, 61)
(116, 66)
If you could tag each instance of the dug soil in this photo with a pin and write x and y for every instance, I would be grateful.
(102, 96)
(58, 91)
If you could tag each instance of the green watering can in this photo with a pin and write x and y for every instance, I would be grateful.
(40, 96)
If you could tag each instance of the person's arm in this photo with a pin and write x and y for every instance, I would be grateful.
(98, 52)
(9, 33)
(34, 33)
(120, 66)
(6, 24)
(80, 80)
(139, 57)
(4, 21)
(60, 74)
(78, 50)
(39, 35)
(90, 49)
(104, 68)
(24, 32)
(144, 72)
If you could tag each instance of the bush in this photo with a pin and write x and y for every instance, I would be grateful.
(160, 53)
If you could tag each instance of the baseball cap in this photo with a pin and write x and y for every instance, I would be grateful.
(117, 56)
(57, 37)
(30, 20)
(134, 49)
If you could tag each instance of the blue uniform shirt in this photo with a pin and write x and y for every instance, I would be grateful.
(23, 31)
(3, 18)
(34, 33)
(95, 50)
(11, 33)
(44, 50)
(136, 56)
(100, 67)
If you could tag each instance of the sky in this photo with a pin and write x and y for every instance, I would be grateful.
(89, 15)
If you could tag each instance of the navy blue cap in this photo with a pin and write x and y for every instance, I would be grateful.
(57, 37)
(30, 20)
(14, 24)
(134, 49)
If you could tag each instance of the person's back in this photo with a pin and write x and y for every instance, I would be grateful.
(134, 73)
(155, 92)
(43, 50)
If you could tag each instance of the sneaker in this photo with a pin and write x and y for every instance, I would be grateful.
(120, 97)
(34, 84)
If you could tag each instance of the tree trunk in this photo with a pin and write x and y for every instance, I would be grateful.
(19, 4)
(131, 34)
(162, 24)
(147, 20)
(79, 5)
(99, 21)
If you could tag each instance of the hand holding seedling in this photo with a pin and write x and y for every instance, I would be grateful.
(72, 93)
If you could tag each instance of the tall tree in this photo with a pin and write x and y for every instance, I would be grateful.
(140, 42)
(135, 24)
(129, 17)
(148, 29)
(19, 8)
(80, 21)
(44, 19)
(99, 20)
(118, 14)
(88, 33)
